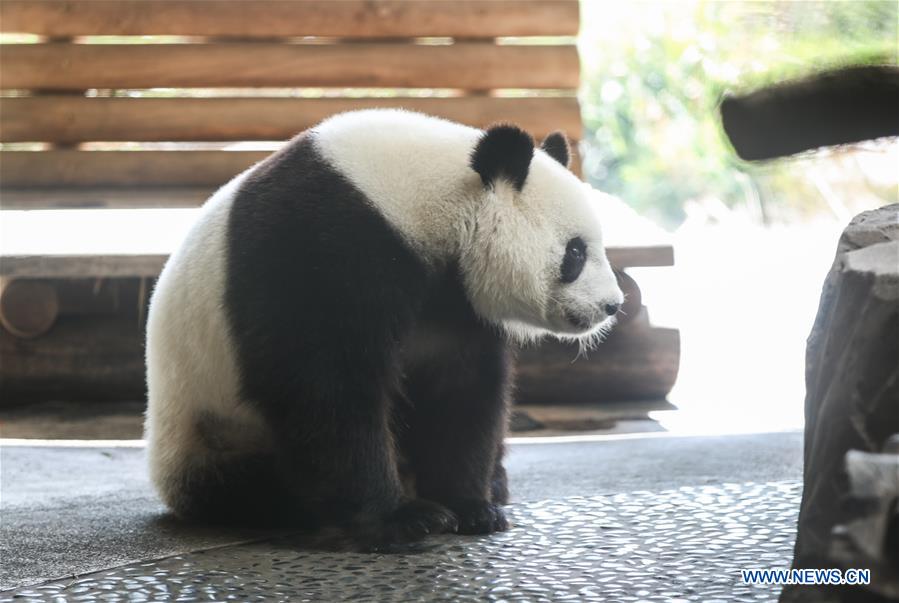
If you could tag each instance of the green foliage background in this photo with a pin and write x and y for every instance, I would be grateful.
(654, 73)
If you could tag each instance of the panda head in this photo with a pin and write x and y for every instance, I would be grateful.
(532, 255)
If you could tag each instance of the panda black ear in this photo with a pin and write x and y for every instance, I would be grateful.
(556, 146)
(504, 151)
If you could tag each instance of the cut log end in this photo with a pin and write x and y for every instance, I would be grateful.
(28, 308)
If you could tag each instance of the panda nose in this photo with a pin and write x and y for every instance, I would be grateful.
(611, 309)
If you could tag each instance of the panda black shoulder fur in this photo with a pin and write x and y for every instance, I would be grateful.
(330, 343)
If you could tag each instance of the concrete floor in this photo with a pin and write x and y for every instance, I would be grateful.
(70, 511)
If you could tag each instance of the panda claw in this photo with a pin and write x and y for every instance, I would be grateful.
(480, 517)
(416, 519)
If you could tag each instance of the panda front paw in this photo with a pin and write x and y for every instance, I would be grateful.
(479, 517)
(416, 519)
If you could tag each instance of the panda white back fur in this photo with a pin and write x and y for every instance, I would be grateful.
(338, 319)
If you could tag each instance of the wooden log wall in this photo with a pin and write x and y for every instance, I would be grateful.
(191, 77)
(120, 72)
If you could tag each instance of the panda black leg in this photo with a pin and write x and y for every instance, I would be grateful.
(344, 473)
(320, 290)
(499, 484)
(245, 490)
(455, 424)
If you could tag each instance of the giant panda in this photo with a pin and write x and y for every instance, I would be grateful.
(330, 344)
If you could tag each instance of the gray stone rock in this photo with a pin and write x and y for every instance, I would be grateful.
(852, 391)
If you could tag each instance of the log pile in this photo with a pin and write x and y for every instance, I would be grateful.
(94, 350)
(87, 336)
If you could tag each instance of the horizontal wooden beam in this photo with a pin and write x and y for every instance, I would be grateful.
(28, 176)
(82, 266)
(149, 265)
(69, 119)
(632, 256)
(469, 66)
(72, 168)
(103, 198)
(291, 18)
(81, 358)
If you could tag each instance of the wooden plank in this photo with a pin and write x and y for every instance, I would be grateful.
(60, 169)
(95, 358)
(72, 168)
(105, 198)
(102, 297)
(61, 186)
(280, 18)
(587, 416)
(641, 255)
(82, 266)
(149, 265)
(469, 65)
(71, 119)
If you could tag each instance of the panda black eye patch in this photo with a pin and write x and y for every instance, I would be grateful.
(574, 260)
